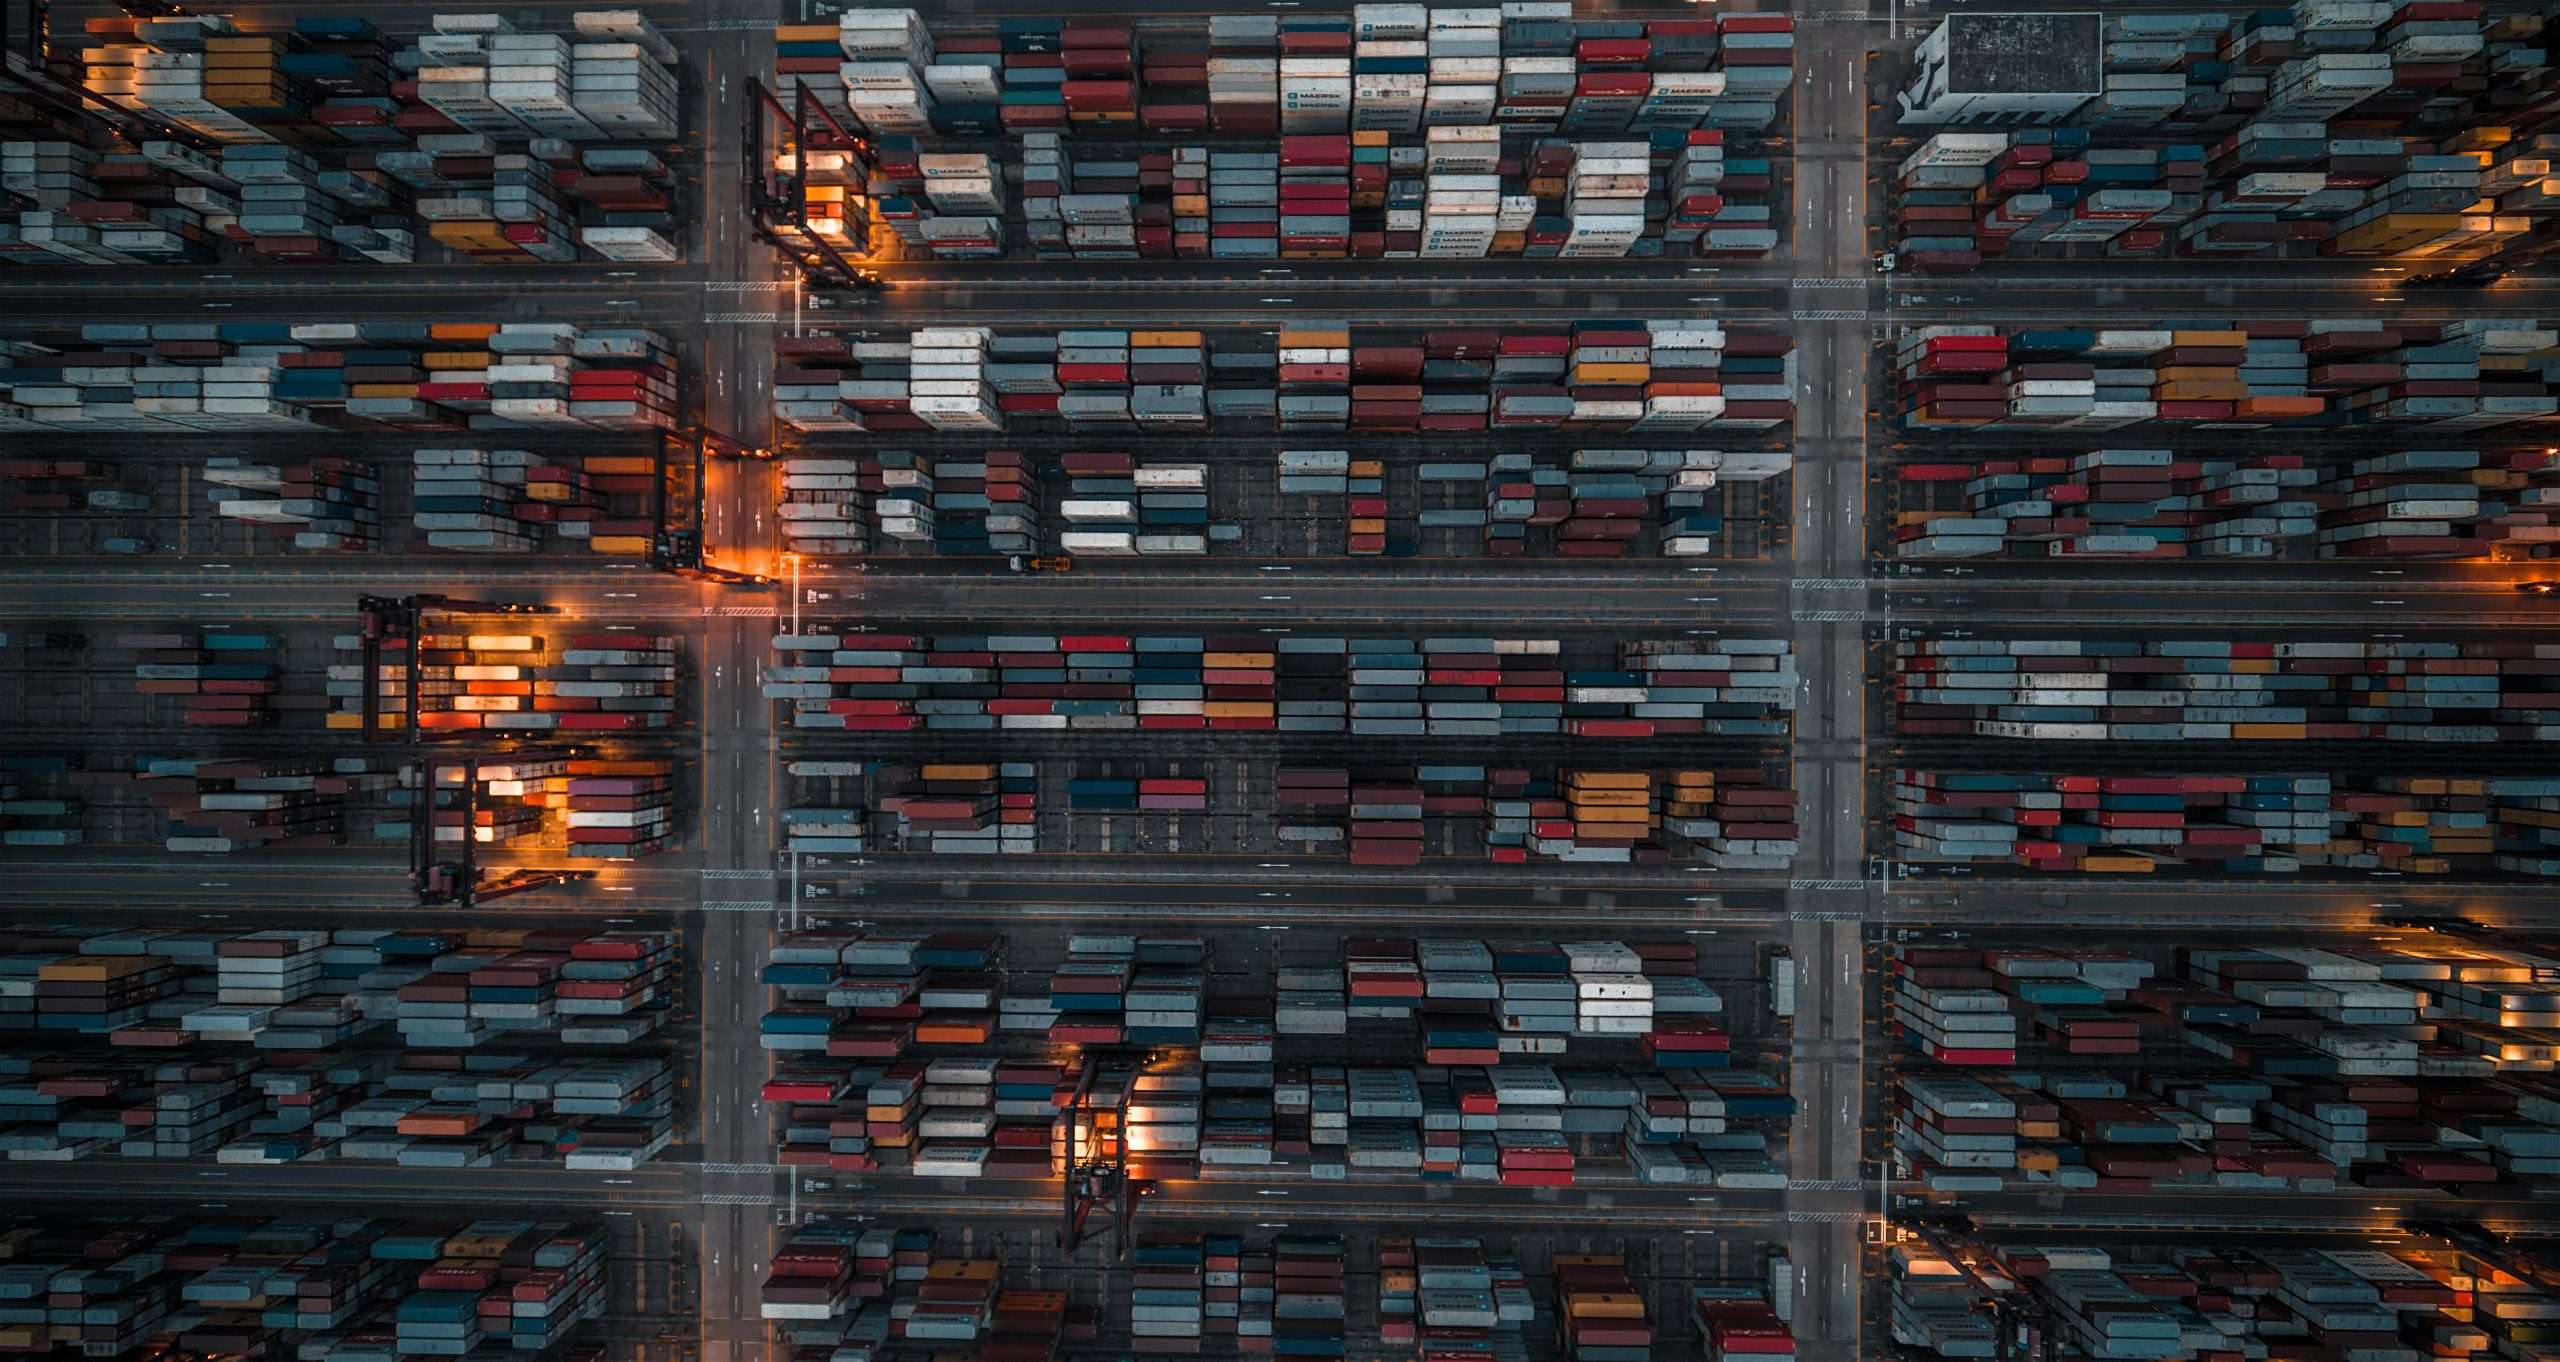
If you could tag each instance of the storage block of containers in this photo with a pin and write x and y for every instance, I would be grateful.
(1270, 1291)
(214, 805)
(102, 501)
(203, 378)
(1668, 377)
(905, 1052)
(1601, 503)
(328, 504)
(2393, 1065)
(36, 807)
(335, 144)
(427, 1047)
(1403, 687)
(2218, 690)
(518, 681)
(2338, 129)
(220, 678)
(2164, 503)
(213, 1284)
(1402, 131)
(865, 1288)
(2193, 1303)
(541, 803)
(1740, 818)
(2240, 824)
(1453, 194)
(2445, 379)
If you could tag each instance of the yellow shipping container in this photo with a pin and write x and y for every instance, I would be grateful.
(2276, 732)
(1236, 709)
(462, 331)
(1237, 661)
(2116, 863)
(383, 390)
(960, 771)
(806, 33)
(1314, 340)
(2393, 230)
(1162, 340)
(96, 969)
(2208, 338)
(441, 360)
(1583, 799)
(1368, 468)
(1368, 525)
(619, 463)
(2193, 391)
(619, 543)
(1592, 372)
(1609, 780)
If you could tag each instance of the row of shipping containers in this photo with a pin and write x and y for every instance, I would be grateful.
(2217, 690)
(1596, 503)
(1453, 193)
(1388, 687)
(2440, 504)
(1732, 818)
(1529, 66)
(1296, 1293)
(329, 142)
(1736, 818)
(2447, 379)
(938, 1055)
(37, 808)
(1602, 503)
(2239, 824)
(2280, 187)
(201, 378)
(331, 1290)
(217, 805)
(425, 1047)
(2337, 126)
(535, 804)
(458, 499)
(518, 683)
(1635, 375)
(2375, 1067)
(2185, 1302)
(2214, 71)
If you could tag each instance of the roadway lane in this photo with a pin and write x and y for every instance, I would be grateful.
(1826, 602)
(737, 755)
(759, 1187)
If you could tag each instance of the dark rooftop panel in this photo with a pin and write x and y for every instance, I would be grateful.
(2024, 54)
